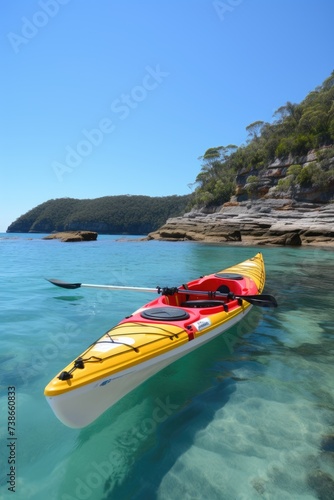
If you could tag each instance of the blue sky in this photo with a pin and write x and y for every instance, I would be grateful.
(107, 97)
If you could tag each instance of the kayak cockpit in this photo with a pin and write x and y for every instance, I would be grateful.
(213, 291)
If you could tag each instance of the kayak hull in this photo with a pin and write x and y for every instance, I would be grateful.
(153, 337)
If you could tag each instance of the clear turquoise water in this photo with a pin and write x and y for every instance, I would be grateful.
(248, 416)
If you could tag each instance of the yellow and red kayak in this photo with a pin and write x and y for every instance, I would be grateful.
(162, 331)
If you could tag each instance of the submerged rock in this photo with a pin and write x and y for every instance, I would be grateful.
(322, 483)
(327, 443)
(73, 236)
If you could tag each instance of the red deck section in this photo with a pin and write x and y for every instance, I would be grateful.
(198, 305)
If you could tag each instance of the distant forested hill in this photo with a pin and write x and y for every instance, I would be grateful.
(124, 214)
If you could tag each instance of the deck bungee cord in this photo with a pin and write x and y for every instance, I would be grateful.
(79, 363)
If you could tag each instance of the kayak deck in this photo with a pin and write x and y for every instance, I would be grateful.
(163, 324)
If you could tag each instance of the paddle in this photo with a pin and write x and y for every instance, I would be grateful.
(64, 284)
(256, 300)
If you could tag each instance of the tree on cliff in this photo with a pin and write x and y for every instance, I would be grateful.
(254, 129)
(216, 179)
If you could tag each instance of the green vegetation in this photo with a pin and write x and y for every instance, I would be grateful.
(297, 129)
(311, 175)
(123, 214)
(251, 185)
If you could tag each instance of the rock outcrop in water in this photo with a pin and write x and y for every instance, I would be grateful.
(264, 222)
(73, 236)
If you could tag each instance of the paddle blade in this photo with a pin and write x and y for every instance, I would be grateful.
(260, 300)
(63, 284)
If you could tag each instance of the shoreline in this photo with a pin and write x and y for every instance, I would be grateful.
(246, 242)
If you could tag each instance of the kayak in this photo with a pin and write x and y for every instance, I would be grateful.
(179, 321)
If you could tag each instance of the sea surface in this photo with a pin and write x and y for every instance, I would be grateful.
(248, 416)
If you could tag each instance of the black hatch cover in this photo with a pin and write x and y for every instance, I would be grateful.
(229, 276)
(165, 314)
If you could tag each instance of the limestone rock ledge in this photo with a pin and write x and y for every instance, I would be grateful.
(73, 236)
(262, 222)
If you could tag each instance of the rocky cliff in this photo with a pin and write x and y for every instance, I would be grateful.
(265, 221)
(306, 178)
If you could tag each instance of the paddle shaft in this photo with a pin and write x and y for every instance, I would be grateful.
(115, 287)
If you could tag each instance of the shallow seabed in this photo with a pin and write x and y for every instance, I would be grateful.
(248, 416)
